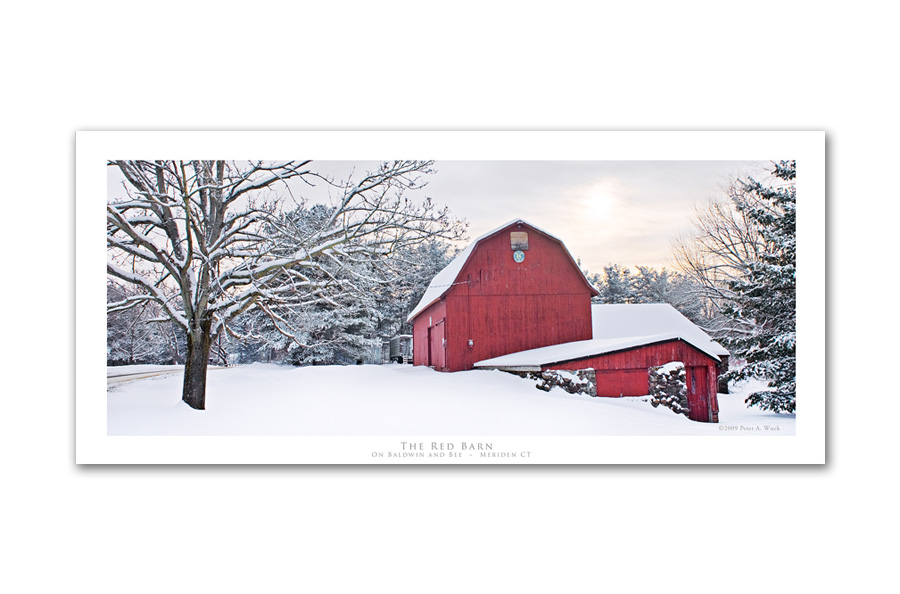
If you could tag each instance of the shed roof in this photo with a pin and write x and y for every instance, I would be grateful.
(638, 319)
(445, 279)
(616, 328)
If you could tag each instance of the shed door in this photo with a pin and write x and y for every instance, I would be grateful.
(437, 348)
(698, 393)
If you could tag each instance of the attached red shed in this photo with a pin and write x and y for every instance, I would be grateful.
(628, 341)
(513, 289)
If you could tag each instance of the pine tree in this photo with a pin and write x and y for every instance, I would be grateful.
(651, 286)
(349, 327)
(615, 286)
(764, 297)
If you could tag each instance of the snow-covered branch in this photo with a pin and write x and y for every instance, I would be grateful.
(198, 231)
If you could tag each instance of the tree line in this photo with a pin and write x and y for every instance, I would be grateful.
(324, 334)
(645, 284)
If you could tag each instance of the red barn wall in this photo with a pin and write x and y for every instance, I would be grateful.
(504, 307)
(625, 373)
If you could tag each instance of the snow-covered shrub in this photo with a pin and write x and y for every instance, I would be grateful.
(583, 381)
(668, 386)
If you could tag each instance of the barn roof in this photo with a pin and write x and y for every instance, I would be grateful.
(616, 328)
(445, 279)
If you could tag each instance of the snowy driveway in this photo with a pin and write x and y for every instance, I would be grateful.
(127, 373)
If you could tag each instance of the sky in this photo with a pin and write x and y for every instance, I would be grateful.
(628, 213)
(606, 212)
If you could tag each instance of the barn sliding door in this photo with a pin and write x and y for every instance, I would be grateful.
(437, 346)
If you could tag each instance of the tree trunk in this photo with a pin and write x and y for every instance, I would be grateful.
(195, 366)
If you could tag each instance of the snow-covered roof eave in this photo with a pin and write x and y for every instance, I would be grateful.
(583, 349)
(514, 368)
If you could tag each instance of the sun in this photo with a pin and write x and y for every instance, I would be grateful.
(598, 203)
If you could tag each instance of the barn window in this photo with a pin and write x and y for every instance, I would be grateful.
(518, 240)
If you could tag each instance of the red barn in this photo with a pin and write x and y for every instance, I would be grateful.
(513, 289)
(516, 300)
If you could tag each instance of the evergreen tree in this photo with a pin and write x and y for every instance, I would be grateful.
(615, 286)
(348, 327)
(417, 266)
(764, 297)
(332, 335)
(651, 286)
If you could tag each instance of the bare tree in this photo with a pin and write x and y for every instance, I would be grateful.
(210, 240)
(723, 243)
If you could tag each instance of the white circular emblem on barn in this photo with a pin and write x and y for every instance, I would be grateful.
(519, 256)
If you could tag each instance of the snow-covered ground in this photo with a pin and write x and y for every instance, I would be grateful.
(403, 400)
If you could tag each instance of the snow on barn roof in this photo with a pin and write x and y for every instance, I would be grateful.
(616, 328)
(445, 279)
